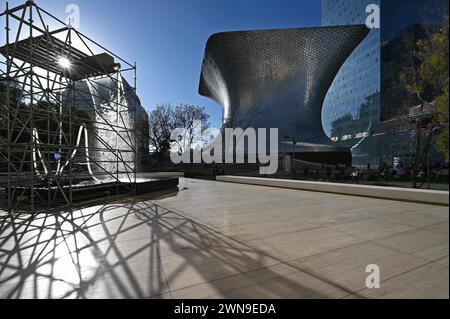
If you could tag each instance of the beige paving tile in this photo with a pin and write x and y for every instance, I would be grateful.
(434, 253)
(40, 289)
(346, 267)
(279, 281)
(443, 261)
(440, 211)
(410, 207)
(120, 281)
(441, 228)
(220, 240)
(194, 267)
(371, 229)
(269, 229)
(416, 219)
(305, 243)
(336, 218)
(427, 282)
(133, 281)
(422, 243)
(376, 211)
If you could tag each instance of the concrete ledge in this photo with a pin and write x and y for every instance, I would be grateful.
(391, 193)
(160, 175)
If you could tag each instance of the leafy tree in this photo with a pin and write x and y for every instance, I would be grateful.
(442, 137)
(45, 120)
(433, 74)
(431, 80)
(432, 54)
(427, 78)
(14, 99)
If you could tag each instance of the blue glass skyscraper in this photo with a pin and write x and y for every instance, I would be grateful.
(363, 95)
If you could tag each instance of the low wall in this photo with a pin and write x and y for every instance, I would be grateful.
(160, 175)
(392, 193)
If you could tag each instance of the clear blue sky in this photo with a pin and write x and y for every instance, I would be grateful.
(166, 38)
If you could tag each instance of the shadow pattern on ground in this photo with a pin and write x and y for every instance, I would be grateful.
(136, 249)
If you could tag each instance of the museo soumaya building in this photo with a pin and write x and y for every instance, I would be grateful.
(330, 91)
(279, 79)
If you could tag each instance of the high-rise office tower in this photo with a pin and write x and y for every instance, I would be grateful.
(367, 90)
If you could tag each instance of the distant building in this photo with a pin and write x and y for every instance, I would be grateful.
(367, 91)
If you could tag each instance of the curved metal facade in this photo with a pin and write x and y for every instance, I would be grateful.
(99, 97)
(277, 78)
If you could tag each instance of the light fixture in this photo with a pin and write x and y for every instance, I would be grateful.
(117, 67)
(64, 63)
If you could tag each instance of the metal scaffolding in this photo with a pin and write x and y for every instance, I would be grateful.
(67, 117)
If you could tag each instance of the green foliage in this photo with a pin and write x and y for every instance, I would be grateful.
(45, 115)
(442, 138)
(431, 78)
(14, 97)
(433, 70)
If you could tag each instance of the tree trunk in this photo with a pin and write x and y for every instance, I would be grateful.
(415, 165)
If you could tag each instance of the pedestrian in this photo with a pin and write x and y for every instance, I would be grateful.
(355, 176)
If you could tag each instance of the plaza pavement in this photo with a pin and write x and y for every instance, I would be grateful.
(222, 240)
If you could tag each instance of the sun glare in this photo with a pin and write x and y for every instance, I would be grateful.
(64, 62)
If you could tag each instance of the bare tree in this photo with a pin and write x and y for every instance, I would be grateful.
(165, 119)
(161, 124)
(194, 121)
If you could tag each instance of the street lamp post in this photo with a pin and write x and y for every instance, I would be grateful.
(428, 168)
(293, 157)
(285, 137)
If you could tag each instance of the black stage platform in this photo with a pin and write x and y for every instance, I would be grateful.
(88, 190)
